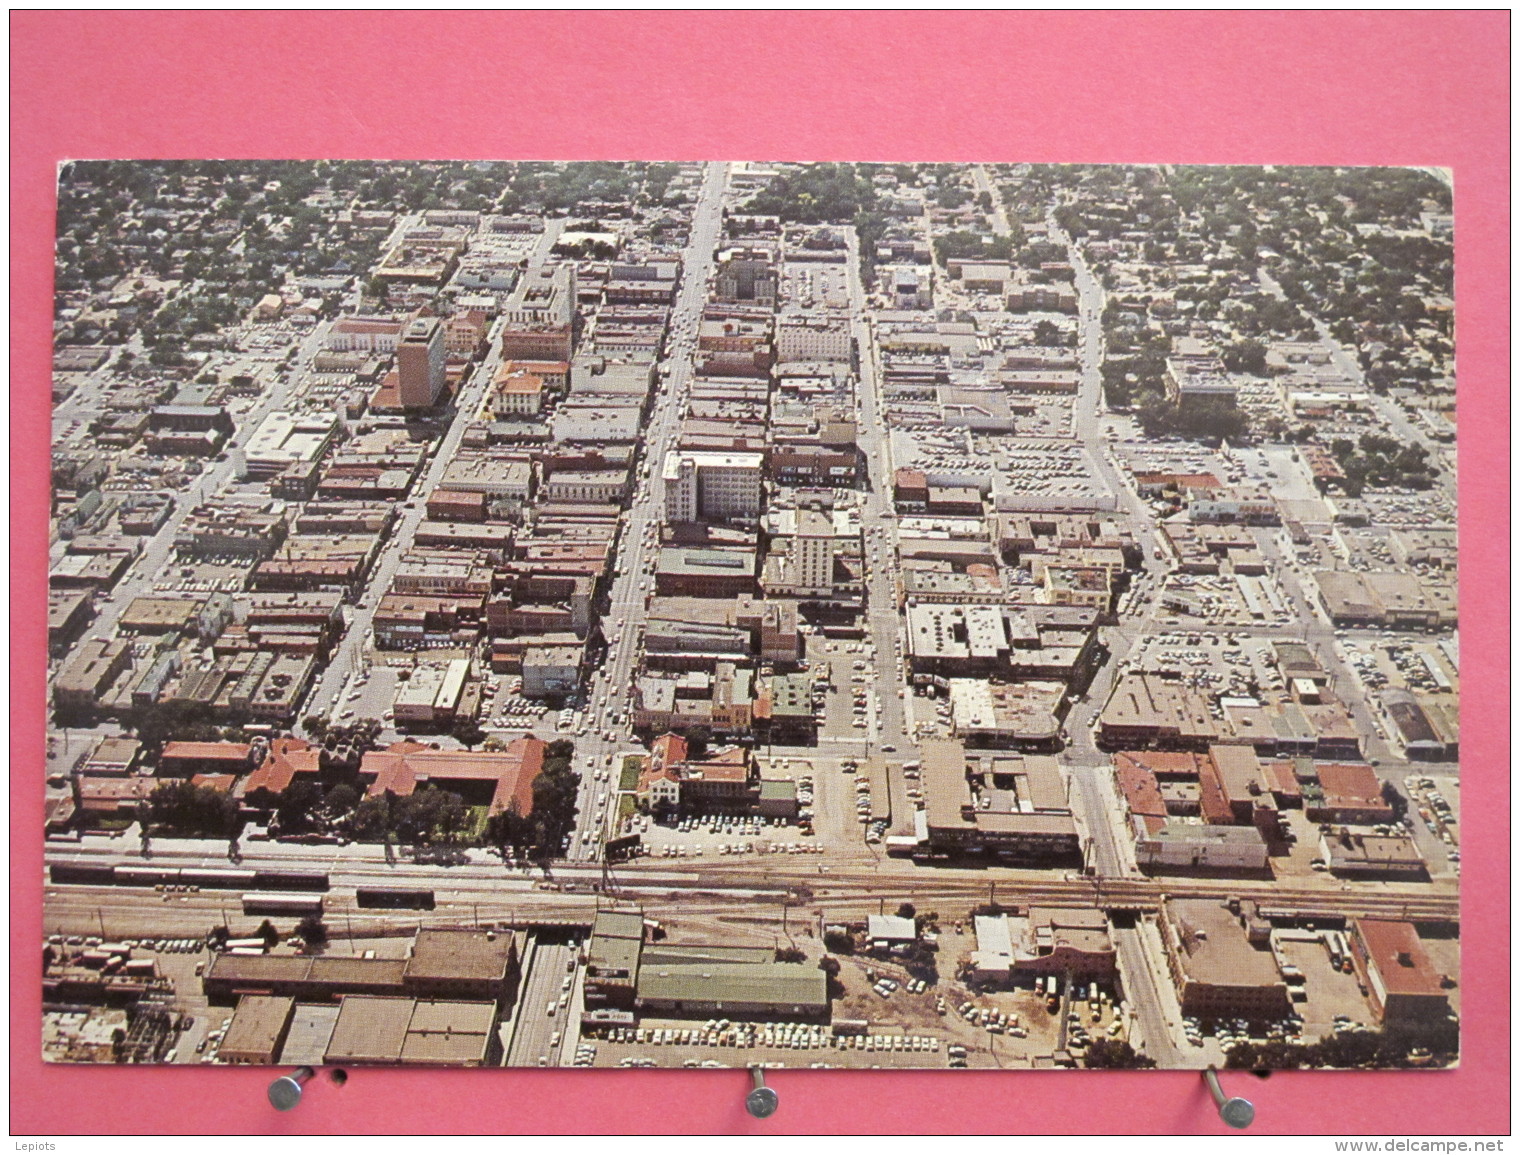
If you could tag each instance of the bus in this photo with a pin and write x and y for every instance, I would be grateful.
(394, 898)
(287, 904)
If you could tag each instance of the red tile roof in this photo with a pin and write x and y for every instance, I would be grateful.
(206, 751)
(667, 750)
(286, 758)
(402, 767)
(1211, 797)
(221, 783)
(1350, 784)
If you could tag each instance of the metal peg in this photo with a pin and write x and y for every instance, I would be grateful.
(762, 1101)
(285, 1092)
(1237, 1113)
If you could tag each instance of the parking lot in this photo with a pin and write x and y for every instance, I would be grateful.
(847, 696)
(1224, 600)
(728, 1043)
(1330, 991)
(1437, 805)
(1214, 662)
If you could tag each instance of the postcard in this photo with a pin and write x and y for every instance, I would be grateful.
(738, 614)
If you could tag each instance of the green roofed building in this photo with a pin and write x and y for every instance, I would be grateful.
(772, 990)
(790, 710)
(612, 957)
(778, 798)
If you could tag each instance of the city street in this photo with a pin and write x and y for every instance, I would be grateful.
(607, 710)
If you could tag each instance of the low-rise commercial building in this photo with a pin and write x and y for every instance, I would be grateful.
(1403, 985)
(688, 572)
(1014, 807)
(1353, 853)
(258, 1030)
(1179, 844)
(432, 693)
(1218, 970)
(1025, 715)
(1045, 941)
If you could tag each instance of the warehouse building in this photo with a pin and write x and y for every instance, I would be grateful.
(701, 981)
(415, 1032)
(258, 1030)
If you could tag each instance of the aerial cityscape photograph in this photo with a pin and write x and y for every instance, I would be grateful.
(574, 614)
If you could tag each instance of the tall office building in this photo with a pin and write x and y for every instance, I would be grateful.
(721, 486)
(420, 358)
(814, 551)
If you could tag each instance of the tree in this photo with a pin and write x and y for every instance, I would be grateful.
(186, 721)
(312, 929)
(1048, 333)
(179, 808)
(268, 933)
(1115, 1054)
(906, 910)
(340, 800)
(508, 830)
(296, 811)
(371, 820)
(420, 816)
(697, 739)
(468, 732)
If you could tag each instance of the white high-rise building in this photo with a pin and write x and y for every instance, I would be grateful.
(721, 486)
(814, 551)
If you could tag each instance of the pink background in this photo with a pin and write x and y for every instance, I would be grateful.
(1348, 88)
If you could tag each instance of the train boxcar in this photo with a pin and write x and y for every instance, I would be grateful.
(143, 875)
(86, 873)
(216, 877)
(287, 904)
(290, 880)
(394, 898)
